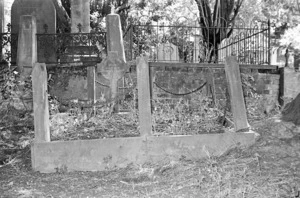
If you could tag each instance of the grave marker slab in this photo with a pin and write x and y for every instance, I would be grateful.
(113, 68)
(168, 52)
(45, 14)
(237, 101)
(80, 13)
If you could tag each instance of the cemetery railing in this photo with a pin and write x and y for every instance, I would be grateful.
(9, 45)
(194, 44)
(87, 48)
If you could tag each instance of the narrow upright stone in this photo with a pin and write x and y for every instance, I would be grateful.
(234, 82)
(91, 81)
(27, 45)
(144, 103)
(40, 103)
(114, 35)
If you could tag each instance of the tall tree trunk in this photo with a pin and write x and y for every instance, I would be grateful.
(62, 17)
(217, 23)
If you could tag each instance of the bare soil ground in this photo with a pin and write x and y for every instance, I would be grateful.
(270, 168)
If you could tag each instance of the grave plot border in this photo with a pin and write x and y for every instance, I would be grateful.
(103, 154)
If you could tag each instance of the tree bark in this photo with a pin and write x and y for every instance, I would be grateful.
(63, 18)
(217, 24)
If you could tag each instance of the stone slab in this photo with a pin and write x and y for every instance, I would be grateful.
(144, 102)
(27, 45)
(40, 102)
(238, 108)
(114, 36)
(291, 83)
(103, 154)
(168, 52)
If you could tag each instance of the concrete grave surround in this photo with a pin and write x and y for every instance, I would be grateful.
(168, 52)
(103, 154)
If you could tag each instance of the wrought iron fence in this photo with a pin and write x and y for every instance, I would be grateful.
(172, 43)
(71, 47)
(9, 45)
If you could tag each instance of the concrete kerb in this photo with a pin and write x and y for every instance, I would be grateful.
(103, 154)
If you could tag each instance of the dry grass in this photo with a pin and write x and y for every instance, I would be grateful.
(270, 168)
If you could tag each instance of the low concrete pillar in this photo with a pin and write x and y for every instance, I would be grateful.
(40, 103)
(114, 36)
(234, 82)
(91, 82)
(144, 104)
(27, 45)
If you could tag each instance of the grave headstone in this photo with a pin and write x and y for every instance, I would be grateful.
(45, 14)
(113, 68)
(168, 52)
(27, 56)
(40, 103)
(80, 14)
(234, 82)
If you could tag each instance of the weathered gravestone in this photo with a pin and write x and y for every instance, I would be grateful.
(168, 52)
(112, 69)
(45, 14)
(80, 13)
(27, 56)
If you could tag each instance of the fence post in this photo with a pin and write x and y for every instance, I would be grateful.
(40, 103)
(237, 101)
(91, 81)
(27, 45)
(144, 103)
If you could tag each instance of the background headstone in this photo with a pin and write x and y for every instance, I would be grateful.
(27, 56)
(168, 52)
(80, 14)
(44, 12)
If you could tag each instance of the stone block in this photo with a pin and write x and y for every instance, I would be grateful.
(291, 83)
